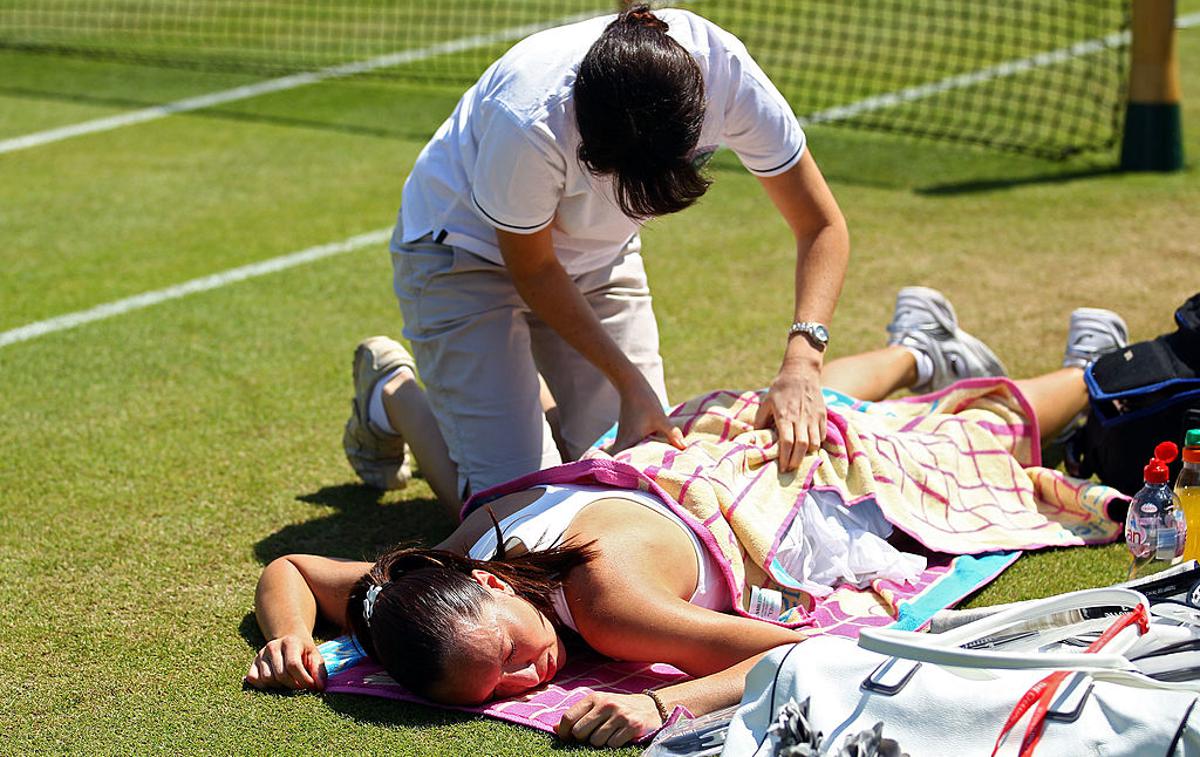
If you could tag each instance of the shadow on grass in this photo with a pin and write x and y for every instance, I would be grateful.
(361, 527)
(389, 712)
(929, 167)
(988, 185)
(562, 746)
(386, 712)
(248, 630)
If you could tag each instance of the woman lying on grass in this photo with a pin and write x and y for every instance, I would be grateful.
(482, 615)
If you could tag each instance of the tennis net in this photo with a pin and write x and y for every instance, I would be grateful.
(1044, 77)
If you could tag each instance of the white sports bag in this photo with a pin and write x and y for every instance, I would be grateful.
(1006, 684)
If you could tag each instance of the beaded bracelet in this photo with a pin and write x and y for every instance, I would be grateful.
(658, 704)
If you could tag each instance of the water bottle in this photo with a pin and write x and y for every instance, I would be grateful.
(1155, 529)
(1187, 488)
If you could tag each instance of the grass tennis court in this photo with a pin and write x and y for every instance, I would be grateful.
(154, 461)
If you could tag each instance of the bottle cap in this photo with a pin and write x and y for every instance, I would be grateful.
(1191, 446)
(1156, 471)
(1166, 451)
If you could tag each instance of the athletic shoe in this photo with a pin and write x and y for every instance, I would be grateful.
(956, 357)
(921, 309)
(924, 320)
(376, 456)
(1092, 333)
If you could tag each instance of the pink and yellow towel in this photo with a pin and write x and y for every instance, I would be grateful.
(955, 470)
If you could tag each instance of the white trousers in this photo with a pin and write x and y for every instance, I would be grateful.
(479, 350)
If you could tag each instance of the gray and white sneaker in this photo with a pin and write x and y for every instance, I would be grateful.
(1093, 332)
(921, 309)
(379, 458)
(924, 320)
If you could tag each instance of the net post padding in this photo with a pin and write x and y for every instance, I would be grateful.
(1153, 139)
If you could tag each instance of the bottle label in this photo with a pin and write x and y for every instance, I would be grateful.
(1167, 541)
(1141, 536)
(765, 603)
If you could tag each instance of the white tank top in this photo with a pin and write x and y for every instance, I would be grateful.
(541, 524)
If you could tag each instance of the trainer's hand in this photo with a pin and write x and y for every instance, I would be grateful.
(795, 407)
(607, 719)
(289, 662)
(642, 415)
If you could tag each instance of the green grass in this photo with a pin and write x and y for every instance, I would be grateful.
(152, 463)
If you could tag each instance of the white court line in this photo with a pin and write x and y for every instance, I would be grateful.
(100, 312)
(202, 284)
(200, 102)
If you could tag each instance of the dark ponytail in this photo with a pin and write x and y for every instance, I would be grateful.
(639, 106)
(422, 597)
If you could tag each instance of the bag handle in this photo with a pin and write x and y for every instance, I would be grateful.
(946, 648)
(899, 644)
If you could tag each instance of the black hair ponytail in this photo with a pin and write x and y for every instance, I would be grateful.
(639, 106)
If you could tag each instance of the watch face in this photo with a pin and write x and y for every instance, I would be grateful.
(821, 333)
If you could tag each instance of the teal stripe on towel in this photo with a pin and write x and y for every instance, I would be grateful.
(341, 653)
(967, 573)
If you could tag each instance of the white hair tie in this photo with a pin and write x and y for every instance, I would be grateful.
(369, 602)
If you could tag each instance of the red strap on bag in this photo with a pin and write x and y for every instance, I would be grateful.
(1042, 692)
(1136, 615)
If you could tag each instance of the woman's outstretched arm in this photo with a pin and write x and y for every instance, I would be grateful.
(292, 592)
(608, 719)
(717, 648)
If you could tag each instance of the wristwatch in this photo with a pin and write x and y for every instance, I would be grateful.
(816, 333)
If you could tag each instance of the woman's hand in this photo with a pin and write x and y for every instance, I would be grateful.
(289, 662)
(642, 415)
(795, 407)
(607, 719)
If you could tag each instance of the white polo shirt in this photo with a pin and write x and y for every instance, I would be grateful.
(507, 156)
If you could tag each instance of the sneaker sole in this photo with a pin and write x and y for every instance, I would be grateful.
(374, 471)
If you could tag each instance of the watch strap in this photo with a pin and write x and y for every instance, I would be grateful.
(817, 334)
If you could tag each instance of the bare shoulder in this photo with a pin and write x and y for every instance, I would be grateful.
(639, 553)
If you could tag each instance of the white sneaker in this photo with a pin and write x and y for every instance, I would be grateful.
(1092, 333)
(924, 320)
(921, 309)
(380, 459)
